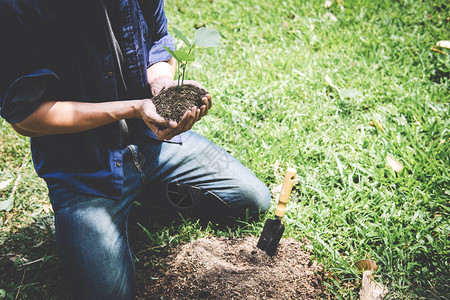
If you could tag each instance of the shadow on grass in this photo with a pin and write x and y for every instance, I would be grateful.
(30, 267)
(29, 263)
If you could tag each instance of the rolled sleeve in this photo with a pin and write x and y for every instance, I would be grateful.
(25, 94)
(158, 53)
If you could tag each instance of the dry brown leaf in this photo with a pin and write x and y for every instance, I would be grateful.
(371, 290)
(366, 264)
(47, 207)
(276, 189)
(376, 124)
(437, 50)
(393, 163)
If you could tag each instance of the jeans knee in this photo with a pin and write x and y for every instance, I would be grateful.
(256, 197)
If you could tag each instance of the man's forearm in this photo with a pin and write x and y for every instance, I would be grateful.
(69, 117)
(62, 117)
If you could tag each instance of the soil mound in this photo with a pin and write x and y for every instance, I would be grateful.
(172, 103)
(224, 268)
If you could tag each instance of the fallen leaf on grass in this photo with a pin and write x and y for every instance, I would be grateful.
(437, 50)
(366, 264)
(349, 93)
(8, 204)
(371, 290)
(376, 124)
(393, 163)
(443, 44)
(345, 93)
(47, 207)
(330, 16)
(330, 82)
(4, 184)
(276, 190)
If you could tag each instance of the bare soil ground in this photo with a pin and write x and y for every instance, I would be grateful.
(226, 268)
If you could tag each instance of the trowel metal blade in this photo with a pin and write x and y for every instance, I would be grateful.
(270, 236)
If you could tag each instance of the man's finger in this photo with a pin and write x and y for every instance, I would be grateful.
(203, 111)
(182, 124)
(163, 123)
(207, 101)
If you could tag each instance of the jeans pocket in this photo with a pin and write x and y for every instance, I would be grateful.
(137, 157)
(59, 195)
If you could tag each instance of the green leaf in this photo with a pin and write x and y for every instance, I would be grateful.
(173, 54)
(207, 37)
(182, 37)
(2, 293)
(184, 56)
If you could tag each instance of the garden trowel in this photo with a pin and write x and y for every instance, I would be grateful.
(273, 229)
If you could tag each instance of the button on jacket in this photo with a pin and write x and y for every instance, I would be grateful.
(60, 50)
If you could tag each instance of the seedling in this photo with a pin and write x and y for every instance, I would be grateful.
(203, 37)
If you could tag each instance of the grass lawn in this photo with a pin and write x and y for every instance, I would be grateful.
(334, 92)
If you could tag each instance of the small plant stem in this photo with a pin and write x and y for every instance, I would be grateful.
(184, 71)
(179, 75)
(183, 66)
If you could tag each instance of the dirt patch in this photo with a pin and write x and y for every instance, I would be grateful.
(173, 102)
(224, 268)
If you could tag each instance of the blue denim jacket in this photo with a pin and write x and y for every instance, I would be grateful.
(59, 50)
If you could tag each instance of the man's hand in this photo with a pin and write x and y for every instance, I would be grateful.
(160, 83)
(160, 76)
(166, 130)
(189, 118)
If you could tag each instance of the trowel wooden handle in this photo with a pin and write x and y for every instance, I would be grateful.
(286, 189)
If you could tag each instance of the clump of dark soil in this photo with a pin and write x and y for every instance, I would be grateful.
(172, 103)
(225, 268)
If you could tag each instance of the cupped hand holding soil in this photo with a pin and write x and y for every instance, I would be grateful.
(173, 102)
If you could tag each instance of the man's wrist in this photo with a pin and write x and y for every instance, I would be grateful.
(136, 107)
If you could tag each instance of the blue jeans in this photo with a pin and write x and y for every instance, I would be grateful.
(92, 233)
